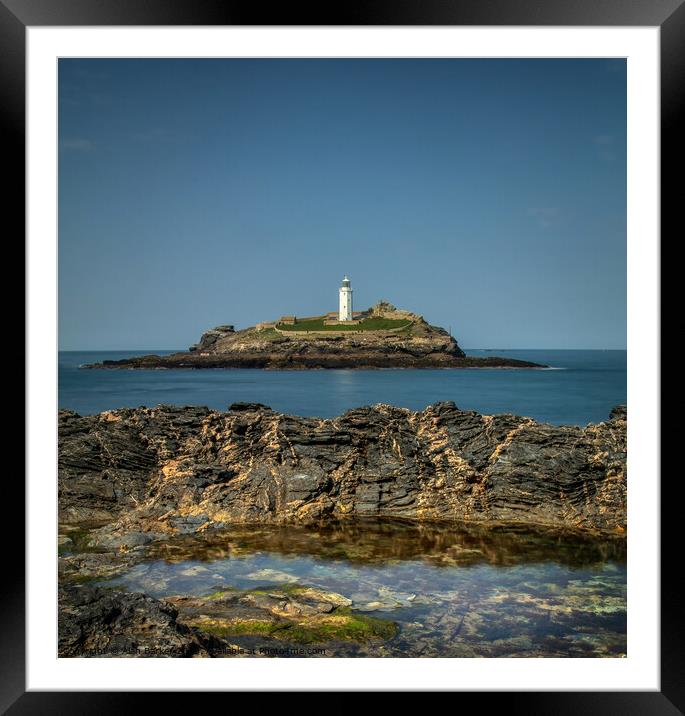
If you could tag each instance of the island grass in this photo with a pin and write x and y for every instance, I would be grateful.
(368, 324)
(268, 333)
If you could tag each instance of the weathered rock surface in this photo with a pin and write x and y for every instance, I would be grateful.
(296, 614)
(418, 345)
(102, 622)
(168, 470)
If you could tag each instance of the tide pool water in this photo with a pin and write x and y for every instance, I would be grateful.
(580, 386)
(459, 591)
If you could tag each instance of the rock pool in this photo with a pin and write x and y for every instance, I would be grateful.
(398, 589)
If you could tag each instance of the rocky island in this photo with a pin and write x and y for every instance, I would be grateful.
(380, 337)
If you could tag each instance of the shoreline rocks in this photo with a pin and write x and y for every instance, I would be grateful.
(311, 361)
(152, 473)
(103, 622)
(99, 622)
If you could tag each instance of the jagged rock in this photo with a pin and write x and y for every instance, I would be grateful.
(104, 461)
(103, 622)
(247, 407)
(168, 471)
(208, 339)
(619, 412)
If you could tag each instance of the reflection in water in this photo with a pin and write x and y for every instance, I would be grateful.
(465, 591)
(386, 540)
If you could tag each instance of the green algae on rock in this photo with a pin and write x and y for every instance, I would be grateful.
(295, 614)
(321, 630)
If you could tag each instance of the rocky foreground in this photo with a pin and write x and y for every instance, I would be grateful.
(137, 485)
(217, 593)
(273, 621)
(152, 473)
(415, 344)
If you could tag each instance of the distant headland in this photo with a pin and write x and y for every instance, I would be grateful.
(380, 337)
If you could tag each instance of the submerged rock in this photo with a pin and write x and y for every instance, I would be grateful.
(101, 622)
(293, 614)
(157, 472)
(271, 575)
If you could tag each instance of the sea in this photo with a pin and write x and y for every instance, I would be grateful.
(578, 387)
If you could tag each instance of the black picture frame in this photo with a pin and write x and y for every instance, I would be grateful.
(17, 15)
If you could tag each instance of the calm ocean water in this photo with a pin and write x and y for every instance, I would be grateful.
(581, 387)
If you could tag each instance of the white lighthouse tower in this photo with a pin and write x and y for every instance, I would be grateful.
(345, 311)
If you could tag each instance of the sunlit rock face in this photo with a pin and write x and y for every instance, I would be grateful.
(150, 473)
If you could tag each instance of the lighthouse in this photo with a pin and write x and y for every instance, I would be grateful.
(345, 310)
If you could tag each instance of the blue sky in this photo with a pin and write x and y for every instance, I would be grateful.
(486, 195)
